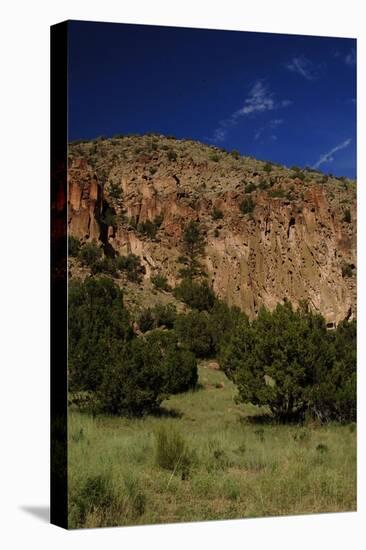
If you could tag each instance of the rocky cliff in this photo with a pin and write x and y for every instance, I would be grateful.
(299, 241)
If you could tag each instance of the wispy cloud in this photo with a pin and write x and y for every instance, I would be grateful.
(350, 58)
(302, 66)
(259, 100)
(272, 124)
(328, 157)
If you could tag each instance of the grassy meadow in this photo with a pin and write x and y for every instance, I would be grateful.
(204, 458)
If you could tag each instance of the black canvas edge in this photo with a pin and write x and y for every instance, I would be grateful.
(58, 197)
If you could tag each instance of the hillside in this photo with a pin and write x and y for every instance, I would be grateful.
(298, 242)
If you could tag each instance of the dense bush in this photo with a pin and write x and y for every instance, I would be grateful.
(158, 316)
(131, 264)
(134, 384)
(223, 321)
(74, 246)
(235, 154)
(196, 295)
(145, 320)
(172, 155)
(98, 329)
(179, 365)
(160, 282)
(247, 206)
(268, 167)
(263, 185)
(288, 361)
(249, 188)
(150, 228)
(149, 369)
(217, 214)
(347, 270)
(214, 157)
(90, 253)
(333, 397)
(95, 494)
(172, 452)
(195, 331)
(105, 265)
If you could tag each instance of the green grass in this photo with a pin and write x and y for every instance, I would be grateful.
(234, 465)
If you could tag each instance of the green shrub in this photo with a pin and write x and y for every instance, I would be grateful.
(333, 397)
(223, 321)
(277, 193)
(288, 361)
(196, 295)
(131, 264)
(171, 451)
(150, 228)
(347, 270)
(195, 332)
(136, 497)
(263, 185)
(268, 167)
(94, 495)
(160, 282)
(247, 206)
(273, 359)
(98, 327)
(249, 188)
(145, 320)
(105, 265)
(164, 315)
(74, 246)
(231, 489)
(147, 228)
(134, 383)
(217, 214)
(172, 155)
(90, 253)
(158, 316)
(214, 157)
(235, 154)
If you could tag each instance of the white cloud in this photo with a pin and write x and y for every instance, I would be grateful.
(328, 157)
(302, 66)
(259, 100)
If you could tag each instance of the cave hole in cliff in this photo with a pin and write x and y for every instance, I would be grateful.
(291, 223)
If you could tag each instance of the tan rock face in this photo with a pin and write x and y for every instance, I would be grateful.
(292, 246)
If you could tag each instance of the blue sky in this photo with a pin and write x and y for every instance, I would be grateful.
(286, 98)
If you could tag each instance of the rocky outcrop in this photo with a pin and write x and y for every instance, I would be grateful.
(294, 245)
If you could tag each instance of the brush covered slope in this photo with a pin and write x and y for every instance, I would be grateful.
(270, 232)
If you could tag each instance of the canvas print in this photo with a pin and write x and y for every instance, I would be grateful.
(211, 275)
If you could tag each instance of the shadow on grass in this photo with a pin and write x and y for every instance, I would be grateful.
(163, 412)
(258, 419)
